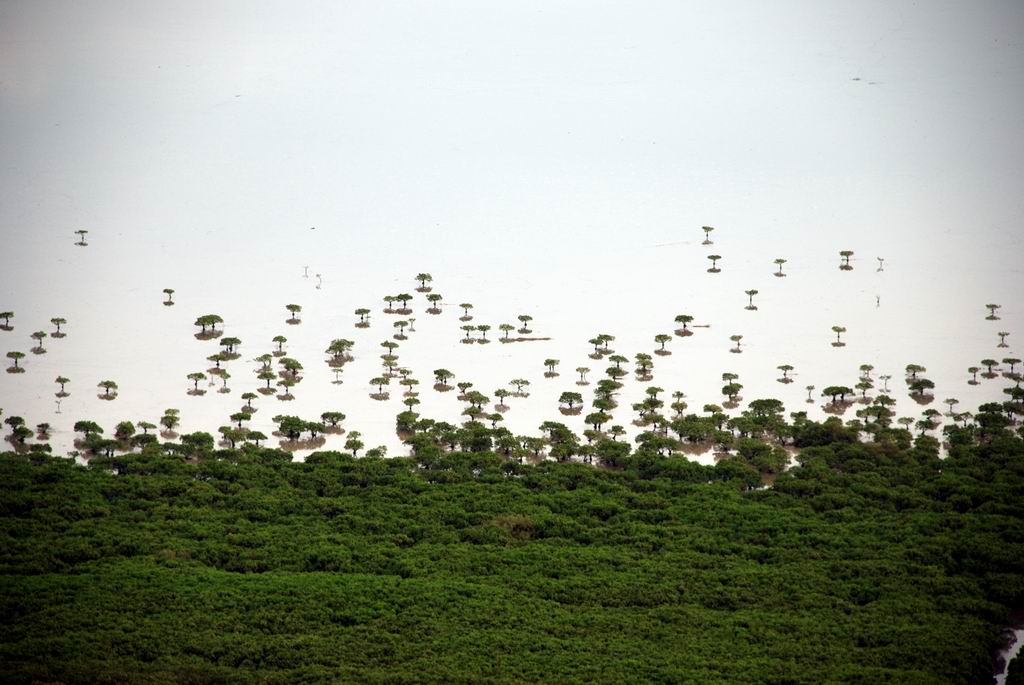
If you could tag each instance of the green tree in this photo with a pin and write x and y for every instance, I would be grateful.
(7, 316)
(736, 339)
(662, 339)
(838, 330)
(914, 369)
(294, 310)
(169, 292)
(684, 320)
(107, 387)
(424, 278)
(714, 263)
(750, 299)
(38, 336)
(363, 313)
(353, 443)
(332, 417)
(483, 328)
(14, 357)
(435, 303)
(195, 378)
(707, 234)
(208, 321)
(840, 391)
(58, 321)
(551, 364)
(61, 381)
(506, 328)
(570, 399)
(845, 264)
(466, 306)
(524, 320)
(779, 262)
(992, 311)
(582, 371)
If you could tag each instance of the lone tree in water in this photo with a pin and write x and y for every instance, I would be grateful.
(1002, 338)
(785, 369)
(736, 339)
(294, 309)
(362, 313)
(506, 328)
(845, 264)
(280, 340)
(195, 378)
(58, 321)
(662, 338)
(973, 370)
(424, 278)
(81, 237)
(992, 311)
(551, 364)
(169, 292)
(707, 234)
(466, 306)
(838, 330)
(750, 299)
(107, 387)
(435, 300)
(683, 320)
(914, 369)
(525, 320)
(779, 262)
(714, 263)
(15, 356)
(582, 371)
(38, 337)
(6, 316)
(61, 381)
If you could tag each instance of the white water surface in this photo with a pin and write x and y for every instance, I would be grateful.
(550, 159)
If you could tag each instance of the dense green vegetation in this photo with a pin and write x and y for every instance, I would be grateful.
(870, 562)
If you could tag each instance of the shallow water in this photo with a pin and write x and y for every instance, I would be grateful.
(369, 143)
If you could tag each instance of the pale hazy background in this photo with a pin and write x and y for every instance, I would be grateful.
(550, 158)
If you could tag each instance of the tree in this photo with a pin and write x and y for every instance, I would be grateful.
(169, 292)
(684, 319)
(1002, 338)
(779, 262)
(992, 311)
(989, 364)
(81, 237)
(845, 264)
(380, 382)
(443, 376)
(58, 321)
(466, 306)
(914, 369)
(501, 394)
(401, 326)
(506, 328)
(973, 370)
(362, 313)
(200, 376)
(338, 349)
(256, 437)
(714, 263)
(618, 360)
(107, 387)
(7, 316)
(707, 234)
(403, 298)
(809, 389)
(170, 419)
(750, 299)
(483, 328)
(1012, 361)
(838, 330)
(294, 310)
(61, 381)
(582, 371)
(38, 336)
(662, 338)
(525, 320)
(332, 417)
(124, 431)
(785, 369)
(520, 383)
(463, 387)
(571, 399)
(736, 339)
(865, 370)
(732, 390)
(353, 443)
(240, 416)
(837, 390)
(280, 340)
(424, 278)
(551, 364)
(468, 330)
(208, 320)
(434, 299)
(87, 428)
(597, 419)
(15, 356)
(919, 386)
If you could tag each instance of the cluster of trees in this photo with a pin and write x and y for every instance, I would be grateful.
(871, 561)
